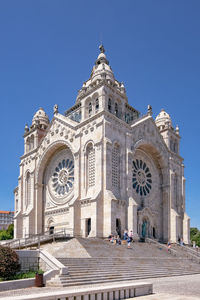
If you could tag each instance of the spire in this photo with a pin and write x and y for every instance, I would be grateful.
(101, 72)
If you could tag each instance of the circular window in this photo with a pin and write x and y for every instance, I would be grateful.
(63, 177)
(141, 178)
(60, 177)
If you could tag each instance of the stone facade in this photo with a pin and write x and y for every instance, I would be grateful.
(102, 168)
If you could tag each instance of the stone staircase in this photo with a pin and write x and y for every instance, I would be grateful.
(103, 262)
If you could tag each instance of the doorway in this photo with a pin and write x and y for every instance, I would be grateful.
(88, 226)
(154, 232)
(51, 230)
(118, 227)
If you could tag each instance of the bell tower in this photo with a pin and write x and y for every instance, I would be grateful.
(170, 135)
(33, 135)
(102, 92)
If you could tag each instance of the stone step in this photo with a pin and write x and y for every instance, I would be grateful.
(102, 262)
(132, 274)
(110, 279)
(140, 266)
(93, 275)
(138, 271)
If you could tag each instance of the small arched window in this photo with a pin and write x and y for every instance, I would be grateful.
(32, 142)
(28, 144)
(109, 105)
(16, 205)
(171, 145)
(90, 166)
(175, 147)
(28, 190)
(176, 190)
(116, 167)
(116, 109)
(89, 109)
(97, 104)
(127, 118)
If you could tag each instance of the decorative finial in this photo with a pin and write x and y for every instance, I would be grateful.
(55, 109)
(26, 129)
(177, 129)
(149, 110)
(101, 48)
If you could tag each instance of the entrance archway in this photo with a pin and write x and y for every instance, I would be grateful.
(146, 223)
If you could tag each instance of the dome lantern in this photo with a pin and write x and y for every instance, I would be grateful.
(40, 119)
(163, 119)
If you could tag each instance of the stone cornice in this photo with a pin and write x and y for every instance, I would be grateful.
(29, 153)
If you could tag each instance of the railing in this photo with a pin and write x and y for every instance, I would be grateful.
(191, 254)
(37, 239)
(194, 253)
(170, 250)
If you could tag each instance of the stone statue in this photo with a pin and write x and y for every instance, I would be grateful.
(55, 109)
(149, 110)
(144, 227)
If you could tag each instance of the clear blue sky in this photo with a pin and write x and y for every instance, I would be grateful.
(48, 48)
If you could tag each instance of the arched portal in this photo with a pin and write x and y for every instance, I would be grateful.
(55, 187)
(149, 175)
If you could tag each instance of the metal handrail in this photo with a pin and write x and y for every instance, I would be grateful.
(172, 251)
(191, 251)
(36, 239)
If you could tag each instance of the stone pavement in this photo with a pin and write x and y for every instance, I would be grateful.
(175, 288)
(165, 288)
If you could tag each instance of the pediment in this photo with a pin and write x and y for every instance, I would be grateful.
(146, 131)
(58, 130)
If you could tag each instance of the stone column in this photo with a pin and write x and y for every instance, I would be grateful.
(166, 216)
(186, 229)
(83, 227)
(132, 216)
(107, 184)
(99, 167)
(39, 208)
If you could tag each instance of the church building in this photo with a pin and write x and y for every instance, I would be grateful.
(102, 168)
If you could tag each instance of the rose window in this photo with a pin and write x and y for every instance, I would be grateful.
(63, 177)
(141, 179)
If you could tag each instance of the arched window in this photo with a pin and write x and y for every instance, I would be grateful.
(116, 109)
(28, 146)
(31, 142)
(16, 205)
(175, 147)
(28, 190)
(89, 109)
(171, 145)
(115, 167)
(109, 105)
(97, 105)
(127, 118)
(176, 191)
(91, 166)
